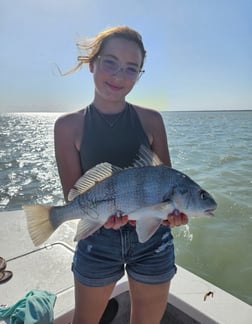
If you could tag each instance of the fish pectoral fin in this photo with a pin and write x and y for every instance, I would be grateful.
(86, 227)
(146, 226)
(149, 218)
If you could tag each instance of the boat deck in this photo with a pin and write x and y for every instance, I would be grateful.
(49, 268)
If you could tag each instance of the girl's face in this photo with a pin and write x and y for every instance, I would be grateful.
(116, 70)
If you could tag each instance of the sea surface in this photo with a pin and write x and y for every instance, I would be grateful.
(212, 147)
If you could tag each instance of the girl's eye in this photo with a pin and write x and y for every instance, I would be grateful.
(132, 70)
(110, 63)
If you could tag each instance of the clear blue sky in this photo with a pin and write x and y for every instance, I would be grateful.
(199, 52)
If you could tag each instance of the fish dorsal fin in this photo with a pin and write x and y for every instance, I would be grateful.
(146, 157)
(91, 177)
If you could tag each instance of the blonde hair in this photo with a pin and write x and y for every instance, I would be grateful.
(94, 45)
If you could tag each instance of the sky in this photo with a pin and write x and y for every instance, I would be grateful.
(199, 52)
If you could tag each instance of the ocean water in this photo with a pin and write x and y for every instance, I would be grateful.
(212, 147)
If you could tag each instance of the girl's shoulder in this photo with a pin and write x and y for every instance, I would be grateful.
(148, 115)
(70, 120)
(70, 117)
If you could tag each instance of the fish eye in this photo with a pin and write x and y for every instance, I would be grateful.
(203, 195)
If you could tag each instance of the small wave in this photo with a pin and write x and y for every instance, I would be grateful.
(229, 158)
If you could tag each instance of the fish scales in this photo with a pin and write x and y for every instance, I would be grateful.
(126, 191)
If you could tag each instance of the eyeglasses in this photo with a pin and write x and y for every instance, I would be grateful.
(112, 66)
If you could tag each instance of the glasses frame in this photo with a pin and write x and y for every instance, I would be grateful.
(120, 69)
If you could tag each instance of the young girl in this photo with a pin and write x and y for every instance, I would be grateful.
(111, 130)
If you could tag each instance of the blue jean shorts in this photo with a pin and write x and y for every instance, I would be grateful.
(102, 258)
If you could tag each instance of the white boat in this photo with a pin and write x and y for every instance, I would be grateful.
(191, 299)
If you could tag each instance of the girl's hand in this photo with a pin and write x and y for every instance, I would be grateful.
(174, 219)
(116, 222)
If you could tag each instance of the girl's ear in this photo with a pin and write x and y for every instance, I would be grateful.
(91, 67)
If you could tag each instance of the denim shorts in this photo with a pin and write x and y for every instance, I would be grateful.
(101, 259)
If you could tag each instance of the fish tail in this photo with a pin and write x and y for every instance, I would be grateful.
(38, 223)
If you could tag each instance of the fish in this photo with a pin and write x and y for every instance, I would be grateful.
(147, 192)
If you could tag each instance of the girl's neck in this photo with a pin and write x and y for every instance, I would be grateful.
(109, 107)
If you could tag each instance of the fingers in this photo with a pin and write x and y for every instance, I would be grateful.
(132, 222)
(175, 219)
(184, 219)
(116, 222)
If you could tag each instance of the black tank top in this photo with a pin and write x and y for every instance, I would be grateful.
(113, 138)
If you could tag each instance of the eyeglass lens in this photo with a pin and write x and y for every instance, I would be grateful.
(112, 66)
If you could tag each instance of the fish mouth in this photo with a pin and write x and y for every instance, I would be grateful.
(209, 212)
